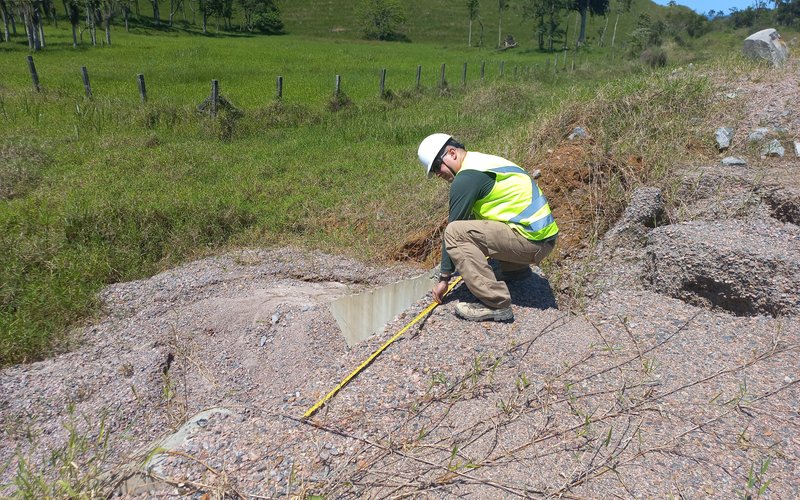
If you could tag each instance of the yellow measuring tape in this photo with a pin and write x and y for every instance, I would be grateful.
(375, 354)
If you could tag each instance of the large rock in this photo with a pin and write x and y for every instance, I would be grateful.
(724, 136)
(747, 267)
(646, 210)
(768, 45)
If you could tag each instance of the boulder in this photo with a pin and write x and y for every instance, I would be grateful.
(758, 134)
(577, 133)
(767, 45)
(773, 148)
(747, 267)
(724, 136)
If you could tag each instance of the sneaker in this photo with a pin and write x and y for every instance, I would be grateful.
(479, 312)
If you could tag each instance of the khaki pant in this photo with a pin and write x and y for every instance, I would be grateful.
(469, 242)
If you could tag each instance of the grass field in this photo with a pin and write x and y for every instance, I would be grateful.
(101, 190)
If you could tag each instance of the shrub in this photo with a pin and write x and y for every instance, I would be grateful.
(383, 20)
(655, 57)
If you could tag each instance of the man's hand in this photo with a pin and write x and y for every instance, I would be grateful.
(438, 291)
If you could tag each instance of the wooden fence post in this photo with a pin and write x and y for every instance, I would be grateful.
(442, 80)
(86, 85)
(142, 88)
(34, 74)
(383, 82)
(279, 88)
(214, 97)
(483, 69)
(464, 76)
(419, 75)
(338, 85)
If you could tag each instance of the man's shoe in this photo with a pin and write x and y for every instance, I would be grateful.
(479, 312)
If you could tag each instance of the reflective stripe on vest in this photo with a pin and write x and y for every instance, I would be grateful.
(515, 198)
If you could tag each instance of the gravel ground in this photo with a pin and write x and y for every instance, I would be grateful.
(638, 395)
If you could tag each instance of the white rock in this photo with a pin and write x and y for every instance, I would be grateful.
(773, 148)
(733, 161)
(767, 45)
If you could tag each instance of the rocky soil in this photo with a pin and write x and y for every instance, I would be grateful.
(678, 377)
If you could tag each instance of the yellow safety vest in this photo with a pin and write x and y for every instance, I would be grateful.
(515, 198)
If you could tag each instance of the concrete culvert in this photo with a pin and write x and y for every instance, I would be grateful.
(745, 267)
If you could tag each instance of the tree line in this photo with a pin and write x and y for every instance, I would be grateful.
(86, 16)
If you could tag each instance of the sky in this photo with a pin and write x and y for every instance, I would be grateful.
(703, 6)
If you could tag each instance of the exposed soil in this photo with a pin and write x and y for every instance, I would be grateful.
(639, 394)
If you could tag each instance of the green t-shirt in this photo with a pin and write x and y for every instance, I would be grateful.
(468, 187)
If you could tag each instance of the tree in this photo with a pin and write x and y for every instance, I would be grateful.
(383, 20)
(472, 10)
(681, 19)
(647, 34)
(107, 7)
(262, 16)
(546, 15)
(501, 6)
(585, 7)
(31, 18)
(214, 8)
(787, 12)
(4, 13)
(74, 16)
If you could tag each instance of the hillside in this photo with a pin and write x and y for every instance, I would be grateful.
(447, 22)
(670, 378)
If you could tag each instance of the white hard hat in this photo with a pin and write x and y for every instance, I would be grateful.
(429, 148)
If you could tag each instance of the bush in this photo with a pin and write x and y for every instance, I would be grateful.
(268, 19)
(655, 57)
(383, 20)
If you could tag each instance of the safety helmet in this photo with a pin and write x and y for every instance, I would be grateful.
(429, 148)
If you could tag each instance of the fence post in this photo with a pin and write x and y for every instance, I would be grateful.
(383, 82)
(338, 85)
(464, 76)
(86, 85)
(279, 88)
(34, 74)
(419, 75)
(142, 88)
(441, 80)
(502, 67)
(483, 69)
(214, 96)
